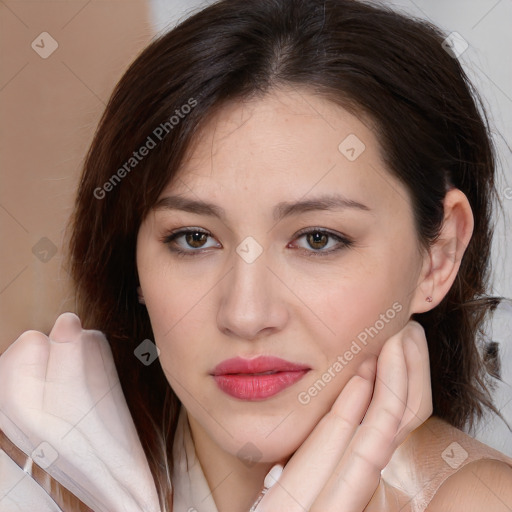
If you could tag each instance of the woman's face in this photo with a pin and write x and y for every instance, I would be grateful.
(320, 285)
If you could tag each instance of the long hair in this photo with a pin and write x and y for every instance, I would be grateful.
(374, 62)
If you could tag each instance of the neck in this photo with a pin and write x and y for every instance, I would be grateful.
(235, 484)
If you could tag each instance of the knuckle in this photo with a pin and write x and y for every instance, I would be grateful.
(341, 422)
(32, 338)
(392, 417)
(94, 336)
(372, 435)
(373, 461)
(26, 346)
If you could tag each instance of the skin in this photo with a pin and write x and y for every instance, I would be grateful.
(481, 485)
(213, 305)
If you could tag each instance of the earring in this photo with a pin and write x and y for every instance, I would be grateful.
(429, 299)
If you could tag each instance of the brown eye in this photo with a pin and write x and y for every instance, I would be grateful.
(189, 242)
(196, 239)
(321, 242)
(317, 240)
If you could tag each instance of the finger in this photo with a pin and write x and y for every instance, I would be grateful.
(391, 390)
(356, 477)
(26, 357)
(419, 399)
(67, 328)
(97, 344)
(96, 352)
(368, 368)
(80, 358)
(316, 458)
(66, 358)
(22, 368)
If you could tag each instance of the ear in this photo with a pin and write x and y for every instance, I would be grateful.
(442, 261)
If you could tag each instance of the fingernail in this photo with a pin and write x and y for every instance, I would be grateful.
(273, 476)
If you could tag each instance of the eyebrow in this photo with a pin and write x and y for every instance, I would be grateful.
(281, 210)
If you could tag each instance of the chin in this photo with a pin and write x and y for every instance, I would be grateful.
(261, 450)
(255, 444)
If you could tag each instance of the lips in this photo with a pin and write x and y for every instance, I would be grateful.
(261, 364)
(257, 379)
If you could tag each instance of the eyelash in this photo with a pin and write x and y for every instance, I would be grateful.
(343, 241)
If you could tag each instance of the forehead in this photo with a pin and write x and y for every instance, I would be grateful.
(289, 142)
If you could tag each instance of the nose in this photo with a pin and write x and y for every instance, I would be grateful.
(252, 300)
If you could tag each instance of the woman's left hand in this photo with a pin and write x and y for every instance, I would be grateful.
(61, 401)
(338, 466)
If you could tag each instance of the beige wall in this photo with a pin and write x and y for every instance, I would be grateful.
(49, 109)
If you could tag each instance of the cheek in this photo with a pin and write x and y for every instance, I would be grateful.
(365, 306)
(171, 291)
(179, 309)
(175, 303)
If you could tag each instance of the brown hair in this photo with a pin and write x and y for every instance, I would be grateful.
(369, 59)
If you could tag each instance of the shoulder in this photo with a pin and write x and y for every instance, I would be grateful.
(441, 468)
(482, 483)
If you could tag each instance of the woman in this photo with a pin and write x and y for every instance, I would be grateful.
(291, 199)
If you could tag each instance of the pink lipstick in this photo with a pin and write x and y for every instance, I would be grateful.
(257, 379)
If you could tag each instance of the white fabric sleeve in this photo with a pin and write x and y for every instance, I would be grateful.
(19, 492)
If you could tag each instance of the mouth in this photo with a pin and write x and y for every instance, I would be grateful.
(257, 366)
(257, 379)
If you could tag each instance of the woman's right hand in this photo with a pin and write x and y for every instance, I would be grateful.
(337, 468)
(61, 402)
